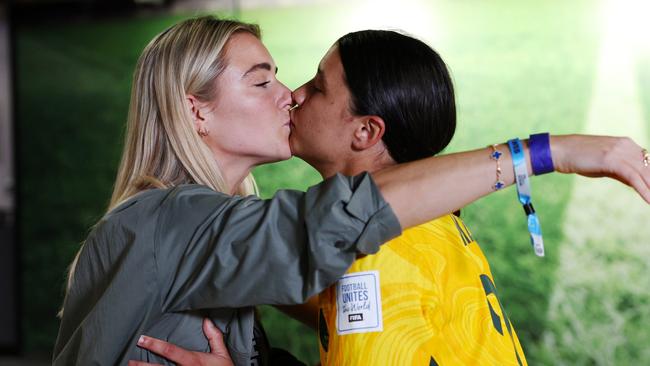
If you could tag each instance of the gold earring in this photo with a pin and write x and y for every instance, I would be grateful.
(294, 107)
(203, 132)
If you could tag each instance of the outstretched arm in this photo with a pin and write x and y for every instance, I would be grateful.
(429, 188)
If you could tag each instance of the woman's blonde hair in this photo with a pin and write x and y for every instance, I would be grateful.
(162, 148)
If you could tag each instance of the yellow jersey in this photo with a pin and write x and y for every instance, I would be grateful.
(427, 298)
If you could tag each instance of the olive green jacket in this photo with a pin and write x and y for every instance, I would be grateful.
(164, 259)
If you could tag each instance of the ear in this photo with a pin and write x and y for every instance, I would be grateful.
(368, 133)
(194, 107)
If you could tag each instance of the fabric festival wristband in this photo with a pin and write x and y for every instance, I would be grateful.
(524, 194)
(540, 153)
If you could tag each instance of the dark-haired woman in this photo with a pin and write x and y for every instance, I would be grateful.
(428, 296)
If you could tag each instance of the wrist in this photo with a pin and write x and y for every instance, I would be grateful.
(558, 152)
(540, 154)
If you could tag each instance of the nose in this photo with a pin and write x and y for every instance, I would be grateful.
(286, 99)
(300, 94)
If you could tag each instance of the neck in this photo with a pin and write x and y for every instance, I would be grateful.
(234, 172)
(366, 161)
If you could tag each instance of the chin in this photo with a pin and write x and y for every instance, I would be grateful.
(285, 153)
(295, 146)
(292, 148)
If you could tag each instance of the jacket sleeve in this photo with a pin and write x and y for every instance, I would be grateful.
(214, 250)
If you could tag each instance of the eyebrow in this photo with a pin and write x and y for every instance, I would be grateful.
(260, 66)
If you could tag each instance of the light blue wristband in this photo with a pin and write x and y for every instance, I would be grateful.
(524, 194)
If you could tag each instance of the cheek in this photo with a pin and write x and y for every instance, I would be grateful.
(232, 128)
(310, 131)
(324, 126)
(247, 117)
(321, 140)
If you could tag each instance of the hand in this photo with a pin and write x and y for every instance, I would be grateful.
(619, 158)
(218, 355)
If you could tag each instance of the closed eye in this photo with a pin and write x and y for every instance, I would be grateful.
(264, 84)
(315, 88)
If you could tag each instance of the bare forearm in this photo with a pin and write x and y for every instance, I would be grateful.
(426, 189)
(422, 190)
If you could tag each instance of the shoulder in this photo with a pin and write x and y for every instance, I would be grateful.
(195, 198)
(450, 227)
(445, 228)
(190, 193)
(148, 205)
(435, 242)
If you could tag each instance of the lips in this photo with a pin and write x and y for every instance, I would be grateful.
(292, 117)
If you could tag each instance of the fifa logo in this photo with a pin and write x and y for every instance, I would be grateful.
(355, 317)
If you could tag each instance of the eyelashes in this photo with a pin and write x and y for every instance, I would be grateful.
(263, 84)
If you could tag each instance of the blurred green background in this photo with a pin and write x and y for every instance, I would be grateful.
(519, 67)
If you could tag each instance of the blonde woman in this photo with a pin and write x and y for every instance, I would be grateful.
(184, 239)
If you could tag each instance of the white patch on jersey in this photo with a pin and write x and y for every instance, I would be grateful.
(358, 303)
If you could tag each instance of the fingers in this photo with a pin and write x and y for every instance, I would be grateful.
(636, 180)
(622, 160)
(646, 180)
(645, 175)
(637, 175)
(215, 339)
(641, 182)
(167, 350)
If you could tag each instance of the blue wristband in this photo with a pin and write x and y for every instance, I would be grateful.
(540, 154)
(525, 197)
